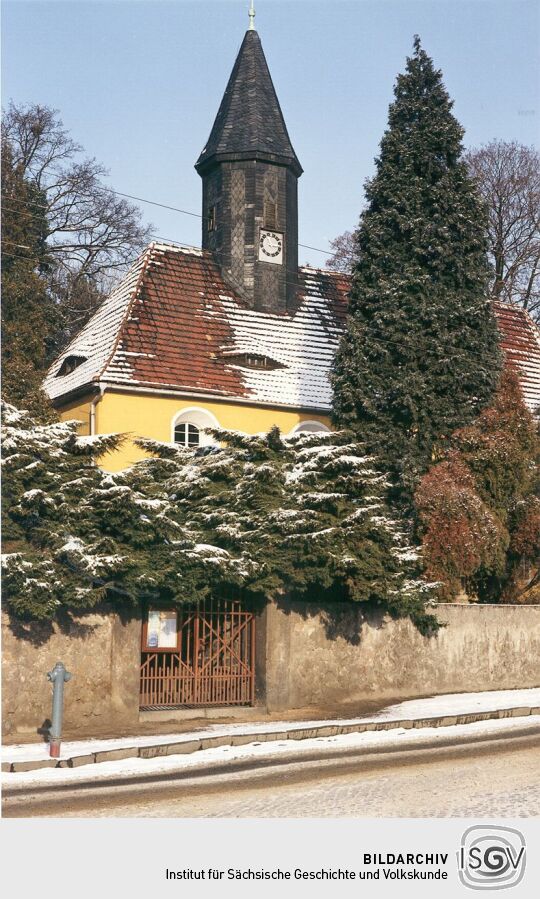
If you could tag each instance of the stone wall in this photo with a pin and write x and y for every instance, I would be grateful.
(305, 657)
(100, 649)
(342, 655)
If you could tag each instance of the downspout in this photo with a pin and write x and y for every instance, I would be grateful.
(93, 406)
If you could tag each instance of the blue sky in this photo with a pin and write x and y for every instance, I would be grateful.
(139, 83)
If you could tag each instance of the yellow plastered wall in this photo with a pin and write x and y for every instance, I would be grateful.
(80, 411)
(146, 415)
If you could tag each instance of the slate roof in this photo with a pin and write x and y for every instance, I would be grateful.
(249, 123)
(174, 325)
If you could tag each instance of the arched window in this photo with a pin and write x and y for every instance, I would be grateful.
(188, 427)
(186, 434)
(309, 427)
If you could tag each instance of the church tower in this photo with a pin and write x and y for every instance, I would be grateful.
(250, 177)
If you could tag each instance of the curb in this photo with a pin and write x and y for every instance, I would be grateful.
(177, 747)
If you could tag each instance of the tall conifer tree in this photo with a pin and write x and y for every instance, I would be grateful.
(420, 355)
(29, 313)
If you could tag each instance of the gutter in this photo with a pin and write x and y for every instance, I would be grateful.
(93, 406)
(135, 387)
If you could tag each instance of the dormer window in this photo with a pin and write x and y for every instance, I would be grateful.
(69, 364)
(254, 360)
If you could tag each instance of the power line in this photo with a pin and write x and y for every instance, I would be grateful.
(379, 340)
(35, 264)
(196, 215)
(199, 216)
(119, 193)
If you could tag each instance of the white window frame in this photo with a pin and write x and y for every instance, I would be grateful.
(201, 418)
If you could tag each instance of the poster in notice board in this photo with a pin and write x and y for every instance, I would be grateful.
(162, 629)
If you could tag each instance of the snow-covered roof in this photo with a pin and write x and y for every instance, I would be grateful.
(520, 340)
(173, 324)
(97, 340)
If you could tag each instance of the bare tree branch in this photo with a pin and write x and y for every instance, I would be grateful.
(508, 177)
(92, 234)
(344, 252)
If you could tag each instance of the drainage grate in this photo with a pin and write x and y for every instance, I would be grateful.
(175, 708)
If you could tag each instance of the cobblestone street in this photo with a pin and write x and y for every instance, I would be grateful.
(500, 784)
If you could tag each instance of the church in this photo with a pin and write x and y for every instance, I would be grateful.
(233, 335)
(236, 335)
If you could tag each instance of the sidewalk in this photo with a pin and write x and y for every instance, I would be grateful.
(436, 712)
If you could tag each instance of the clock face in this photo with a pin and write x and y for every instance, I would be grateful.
(271, 247)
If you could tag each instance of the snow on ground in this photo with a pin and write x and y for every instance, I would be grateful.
(461, 703)
(292, 749)
(450, 704)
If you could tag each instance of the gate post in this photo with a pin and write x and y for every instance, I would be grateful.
(196, 685)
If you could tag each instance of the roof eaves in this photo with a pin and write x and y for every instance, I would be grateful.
(89, 388)
(145, 387)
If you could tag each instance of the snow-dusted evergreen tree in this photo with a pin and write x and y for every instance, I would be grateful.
(299, 515)
(420, 355)
(53, 554)
(259, 513)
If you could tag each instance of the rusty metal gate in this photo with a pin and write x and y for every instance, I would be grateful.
(209, 661)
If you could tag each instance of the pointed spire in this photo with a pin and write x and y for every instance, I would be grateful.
(249, 123)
